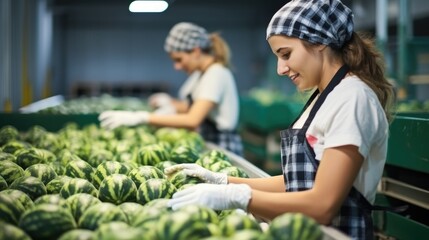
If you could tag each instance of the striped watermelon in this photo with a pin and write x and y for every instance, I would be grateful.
(234, 172)
(100, 156)
(295, 226)
(58, 167)
(151, 155)
(217, 154)
(10, 210)
(170, 135)
(202, 213)
(79, 169)
(235, 222)
(143, 173)
(101, 213)
(178, 179)
(55, 199)
(41, 171)
(164, 164)
(181, 225)
(77, 185)
(118, 231)
(161, 203)
(35, 134)
(108, 168)
(31, 156)
(7, 156)
(9, 231)
(117, 188)
(79, 203)
(55, 185)
(131, 210)
(14, 146)
(248, 234)
(10, 171)
(3, 184)
(148, 220)
(30, 185)
(166, 145)
(184, 154)
(19, 196)
(65, 156)
(219, 165)
(46, 221)
(78, 234)
(153, 189)
(8, 133)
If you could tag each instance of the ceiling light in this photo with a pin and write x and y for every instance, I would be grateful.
(148, 6)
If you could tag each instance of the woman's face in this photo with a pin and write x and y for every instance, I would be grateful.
(302, 65)
(184, 61)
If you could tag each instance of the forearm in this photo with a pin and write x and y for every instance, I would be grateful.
(175, 120)
(307, 202)
(268, 184)
(181, 106)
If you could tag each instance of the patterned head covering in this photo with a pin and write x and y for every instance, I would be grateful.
(327, 22)
(186, 36)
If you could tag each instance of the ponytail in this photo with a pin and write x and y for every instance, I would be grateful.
(365, 61)
(220, 50)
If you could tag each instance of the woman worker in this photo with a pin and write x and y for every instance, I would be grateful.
(334, 153)
(212, 105)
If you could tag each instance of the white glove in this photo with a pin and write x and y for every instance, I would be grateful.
(159, 99)
(165, 110)
(217, 197)
(114, 119)
(195, 170)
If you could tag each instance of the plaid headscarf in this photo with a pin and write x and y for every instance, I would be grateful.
(327, 22)
(186, 36)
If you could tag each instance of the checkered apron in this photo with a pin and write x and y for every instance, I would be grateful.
(229, 140)
(299, 170)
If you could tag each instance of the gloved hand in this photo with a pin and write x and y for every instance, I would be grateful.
(157, 100)
(217, 197)
(195, 170)
(165, 110)
(114, 119)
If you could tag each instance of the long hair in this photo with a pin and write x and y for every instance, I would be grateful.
(220, 50)
(364, 60)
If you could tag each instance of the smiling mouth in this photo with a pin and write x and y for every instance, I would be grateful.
(293, 77)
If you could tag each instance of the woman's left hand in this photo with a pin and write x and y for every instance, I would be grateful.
(217, 197)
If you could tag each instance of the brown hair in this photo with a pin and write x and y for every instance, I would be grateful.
(364, 60)
(219, 49)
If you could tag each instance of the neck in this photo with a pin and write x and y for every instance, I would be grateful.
(206, 63)
(328, 74)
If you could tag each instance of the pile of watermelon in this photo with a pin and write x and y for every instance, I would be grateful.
(90, 183)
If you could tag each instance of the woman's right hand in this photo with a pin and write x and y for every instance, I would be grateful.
(195, 170)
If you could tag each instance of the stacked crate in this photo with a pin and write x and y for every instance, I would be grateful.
(260, 124)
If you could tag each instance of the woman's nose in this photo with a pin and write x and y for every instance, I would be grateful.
(282, 68)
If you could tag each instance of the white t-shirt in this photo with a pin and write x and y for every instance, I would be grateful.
(352, 115)
(217, 84)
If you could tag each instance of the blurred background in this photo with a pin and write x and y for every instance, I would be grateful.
(88, 47)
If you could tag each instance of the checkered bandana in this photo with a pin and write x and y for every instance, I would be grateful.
(327, 22)
(185, 37)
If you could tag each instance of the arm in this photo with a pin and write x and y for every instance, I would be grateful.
(191, 119)
(269, 184)
(180, 105)
(337, 170)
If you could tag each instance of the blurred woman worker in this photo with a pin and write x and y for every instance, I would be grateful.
(333, 154)
(212, 104)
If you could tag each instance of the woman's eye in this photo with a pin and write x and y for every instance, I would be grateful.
(286, 55)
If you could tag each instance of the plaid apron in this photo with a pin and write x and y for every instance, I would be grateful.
(299, 170)
(229, 140)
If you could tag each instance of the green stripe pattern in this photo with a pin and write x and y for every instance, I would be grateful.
(143, 173)
(79, 203)
(79, 169)
(41, 171)
(10, 171)
(155, 188)
(235, 222)
(108, 168)
(101, 213)
(296, 226)
(30, 185)
(152, 154)
(78, 185)
(47, 221)
(117, 188)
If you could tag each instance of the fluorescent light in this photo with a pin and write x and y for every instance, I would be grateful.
(148, 6)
